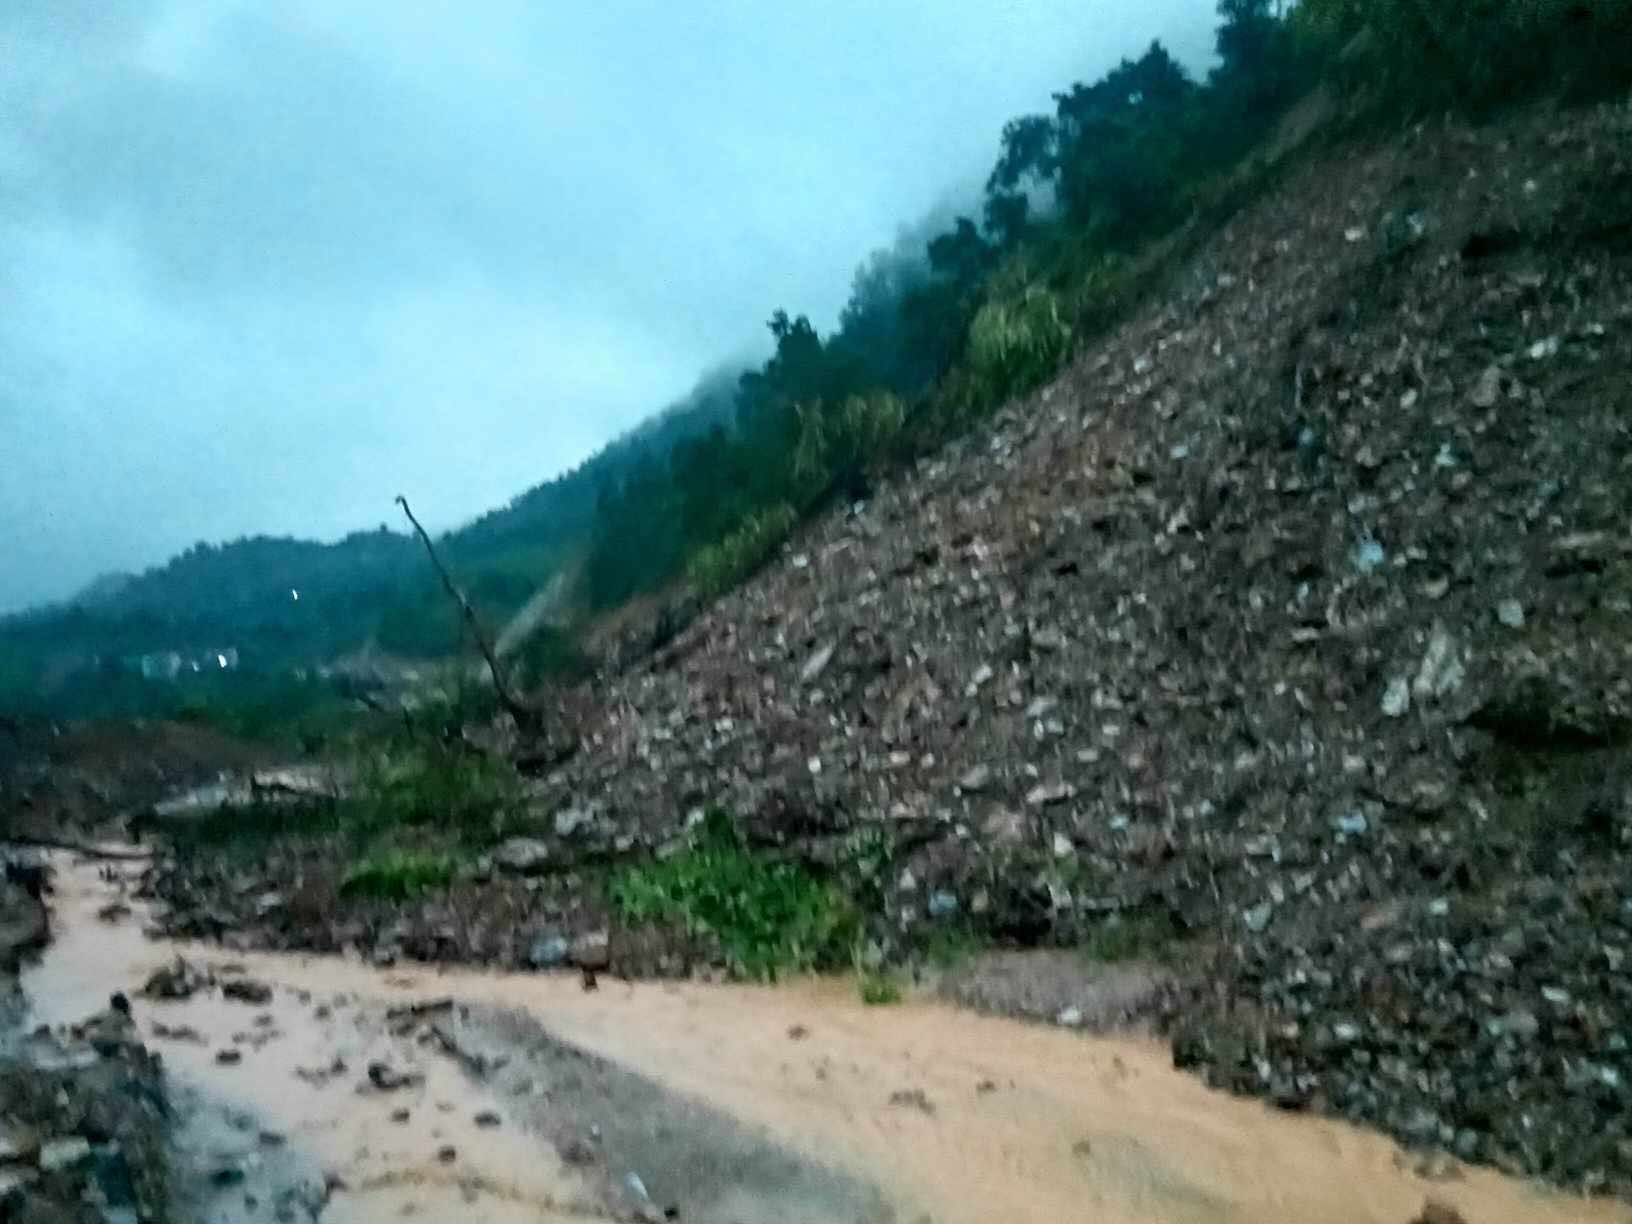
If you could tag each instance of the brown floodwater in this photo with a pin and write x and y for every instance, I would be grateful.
(916, 1112)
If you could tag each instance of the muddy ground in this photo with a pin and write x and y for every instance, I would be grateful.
(306, 1088)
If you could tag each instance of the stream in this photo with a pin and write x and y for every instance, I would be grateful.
(355, 1093)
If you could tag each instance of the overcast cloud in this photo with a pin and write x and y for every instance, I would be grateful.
(264, 265)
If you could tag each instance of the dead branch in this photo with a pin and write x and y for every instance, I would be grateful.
(526, 716)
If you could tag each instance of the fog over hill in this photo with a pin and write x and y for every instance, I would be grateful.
(268, 267)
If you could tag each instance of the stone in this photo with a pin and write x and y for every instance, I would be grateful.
(1488, 389)
(246, 990)
(1441, 672)
(976, 779)
(942, 904)
(548, 951)
(1257, 918)
(176, 980)
(63, 1153)
(1397, 698)
(13, 1183)
(817, 663)
(229, 1057)
(570, 820)
(1510, 612)
(522, 856)
(387, 1078)
(487, 1119)
(1050, 793)
(592, 950)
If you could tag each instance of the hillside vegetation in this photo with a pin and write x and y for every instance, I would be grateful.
(1086, 208)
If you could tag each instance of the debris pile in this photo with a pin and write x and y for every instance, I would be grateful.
(1295, 616)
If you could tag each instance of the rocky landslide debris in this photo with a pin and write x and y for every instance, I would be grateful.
(1293, 617)
(82, 1126)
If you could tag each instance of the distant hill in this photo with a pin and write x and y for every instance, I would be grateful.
(278, 603)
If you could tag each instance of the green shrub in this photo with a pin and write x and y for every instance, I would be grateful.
(878, 989)
(397, 875)
(722, 566)
(767, 916)
(448, 787)
(1017, 342)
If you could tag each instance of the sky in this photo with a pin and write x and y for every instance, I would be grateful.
(264, 266)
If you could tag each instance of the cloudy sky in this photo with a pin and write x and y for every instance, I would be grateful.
(264, 265)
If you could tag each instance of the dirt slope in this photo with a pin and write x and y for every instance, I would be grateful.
(1297, 609)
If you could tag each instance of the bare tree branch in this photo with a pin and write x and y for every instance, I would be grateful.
(526, 716)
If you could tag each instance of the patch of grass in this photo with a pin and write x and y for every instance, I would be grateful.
(397, 875)
(878, 989)
(722, 566)
(1130, 937)
(949, 946)
(461, 793)
(1017, 341)
(768, 916)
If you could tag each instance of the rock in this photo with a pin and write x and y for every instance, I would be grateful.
(229, 1057)
(1440, 673)
(18, 1143)
(388, 1079)
(912, 1098)
(447, 1153)
(178, 1032)
(246, 990)
(576, 1151)
(548, 951)
(1049, 794)
(569, 820)
(1436, 1212)
(1070, 1017)
(1488, 389)
(1397, 698)
(176, 980)
(592, 950)
(816, 664)
(522, 856)
(1351, 824)
(942, 904)
(400, 1115)
(976, 779)
(227, 1175)
(487, 1118)
(1257, 918)
(1510, 612)
(64, 1153)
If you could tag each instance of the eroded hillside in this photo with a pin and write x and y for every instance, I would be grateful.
(1291, 620)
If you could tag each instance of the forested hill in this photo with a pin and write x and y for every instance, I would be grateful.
(1087, 206)
(282, 603)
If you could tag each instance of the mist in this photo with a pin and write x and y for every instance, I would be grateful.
(269, 266)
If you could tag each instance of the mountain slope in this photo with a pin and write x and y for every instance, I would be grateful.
(1295, 614)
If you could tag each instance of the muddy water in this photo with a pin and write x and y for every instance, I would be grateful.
(814, 1107)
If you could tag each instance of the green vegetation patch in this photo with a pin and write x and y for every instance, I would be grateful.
(1131, 937)
(397, 875)
(768, 916)
(719, 567)
(447, 787)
